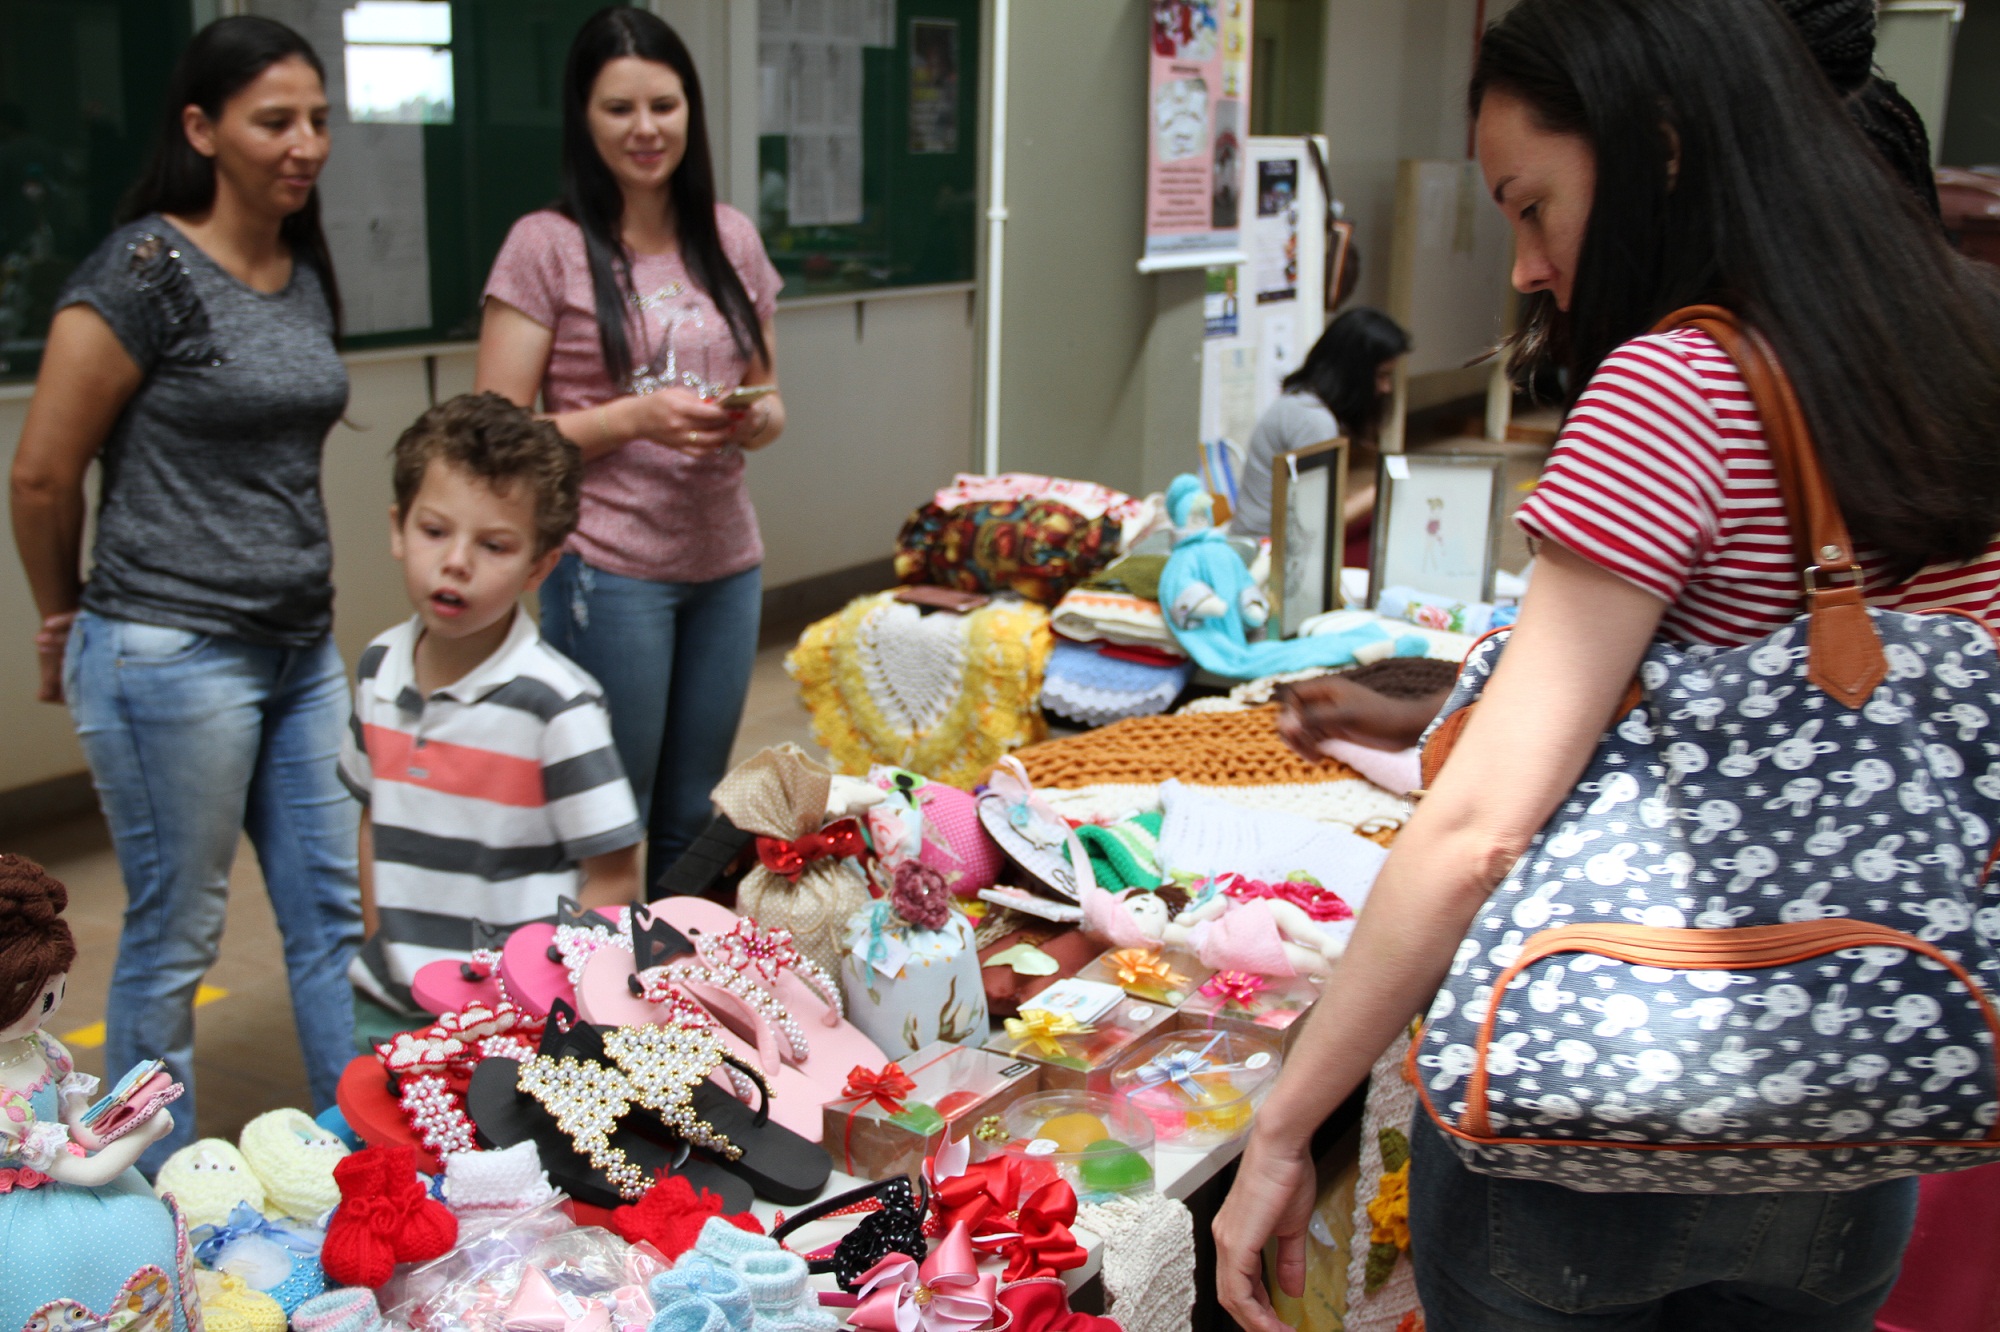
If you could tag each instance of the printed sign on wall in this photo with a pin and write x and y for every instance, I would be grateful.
(1198, 121)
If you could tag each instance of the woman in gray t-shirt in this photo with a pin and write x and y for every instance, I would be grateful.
(1338, 390)
(192, 355)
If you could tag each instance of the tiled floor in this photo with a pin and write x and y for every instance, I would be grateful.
(246, 1054)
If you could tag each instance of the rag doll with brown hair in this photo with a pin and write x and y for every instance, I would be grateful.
(83, 1240)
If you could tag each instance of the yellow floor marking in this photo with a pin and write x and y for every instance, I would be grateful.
(92, 1036)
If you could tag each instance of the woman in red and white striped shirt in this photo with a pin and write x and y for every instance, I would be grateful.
(1655, 154)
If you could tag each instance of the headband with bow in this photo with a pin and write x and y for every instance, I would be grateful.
(836, 841)
(945, 1293)
(1029, 1228)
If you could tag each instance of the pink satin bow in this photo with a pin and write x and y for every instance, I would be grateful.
(538, 1306)
(944, 1294)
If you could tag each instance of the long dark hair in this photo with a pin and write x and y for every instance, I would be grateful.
(223, 59)
(1777, 208)
(591, 197)
(1340, 368)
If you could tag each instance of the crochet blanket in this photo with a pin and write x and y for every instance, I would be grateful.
(941, 694)
(1086, 686)
(1202, 749)
(1088, 614)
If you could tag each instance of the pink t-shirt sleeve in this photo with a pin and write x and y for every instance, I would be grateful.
(744, 249)
(528, 271)
(1636, 481)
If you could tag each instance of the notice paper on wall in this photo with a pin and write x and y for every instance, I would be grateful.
(809, 90)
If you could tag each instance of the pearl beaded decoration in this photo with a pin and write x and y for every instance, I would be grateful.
(663, 1066)
(437, 1115)
(748, 946)
(739, 984)
(587, 1100)
(575, 943)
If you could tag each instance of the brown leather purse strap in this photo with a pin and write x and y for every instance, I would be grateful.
(1845, 658)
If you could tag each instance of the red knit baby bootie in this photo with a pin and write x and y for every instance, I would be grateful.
(427, 1229)
(358, 1251)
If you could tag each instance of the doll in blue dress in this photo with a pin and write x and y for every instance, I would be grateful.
(84, 1244)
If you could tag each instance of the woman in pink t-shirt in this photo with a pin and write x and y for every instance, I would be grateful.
(633, 308)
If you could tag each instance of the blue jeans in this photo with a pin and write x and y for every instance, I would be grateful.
(674, 660)
(1509, 1255)
(192, 740)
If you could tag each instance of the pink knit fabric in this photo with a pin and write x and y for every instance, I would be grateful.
(968, 852)
(649, 511)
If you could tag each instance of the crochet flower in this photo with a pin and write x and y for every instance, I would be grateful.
(1389, 1211)
(921, 896)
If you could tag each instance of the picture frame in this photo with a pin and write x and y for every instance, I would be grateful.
(1437, 524)
(1308, 533)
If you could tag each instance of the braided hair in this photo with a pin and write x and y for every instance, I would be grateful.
(1841, 36)
(35, 942)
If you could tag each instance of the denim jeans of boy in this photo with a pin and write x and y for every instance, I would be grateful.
(674, 660)
(193, 740)
(1509, 1255)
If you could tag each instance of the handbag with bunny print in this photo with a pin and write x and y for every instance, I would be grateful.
(1757, 948)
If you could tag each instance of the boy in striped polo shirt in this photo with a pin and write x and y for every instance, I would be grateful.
(482, 755)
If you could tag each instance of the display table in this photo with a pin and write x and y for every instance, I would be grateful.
(1177, 1174)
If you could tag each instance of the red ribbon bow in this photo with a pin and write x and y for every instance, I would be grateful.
(835, 841)
(886, 1087)
(1234, 987)
(1033, 1234)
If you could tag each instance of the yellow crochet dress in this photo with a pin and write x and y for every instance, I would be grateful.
(941, 694)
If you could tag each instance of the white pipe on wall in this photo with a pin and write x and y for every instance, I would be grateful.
(996, 240)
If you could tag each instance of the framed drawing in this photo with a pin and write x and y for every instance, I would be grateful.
(1437, 525)
(1308, 494)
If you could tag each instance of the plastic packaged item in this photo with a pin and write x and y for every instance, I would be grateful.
(1436, 612)
(1100, 1145)
(1167, 976)
(1272, 1007)
(891, 1119)
(1076, 1029)
(467, 1290)
(1198, 1088)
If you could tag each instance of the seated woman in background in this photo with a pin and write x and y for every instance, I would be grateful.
(1339, 391)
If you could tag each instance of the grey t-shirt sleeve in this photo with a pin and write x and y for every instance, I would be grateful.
(113, 281)
(1295, 421)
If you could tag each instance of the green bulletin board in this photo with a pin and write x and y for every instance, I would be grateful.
(82, 81)
(919, 198)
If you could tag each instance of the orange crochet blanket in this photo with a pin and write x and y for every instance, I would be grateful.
(1202, 749)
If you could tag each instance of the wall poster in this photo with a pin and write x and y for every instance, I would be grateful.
(1198, 121)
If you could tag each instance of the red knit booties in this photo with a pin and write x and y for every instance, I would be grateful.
(385, 1217)
(357, 1251)
(428, 1228)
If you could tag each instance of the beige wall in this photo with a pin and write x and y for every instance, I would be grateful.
(1100, 365)
(881, 414)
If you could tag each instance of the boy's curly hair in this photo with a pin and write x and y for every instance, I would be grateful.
(501, 444)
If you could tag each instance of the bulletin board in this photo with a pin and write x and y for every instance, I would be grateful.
(867, 154)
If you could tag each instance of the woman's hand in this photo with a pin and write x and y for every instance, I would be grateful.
(51, 641)
(1272, 1199)
(1332, 708)
(678, 418)
(748, 427)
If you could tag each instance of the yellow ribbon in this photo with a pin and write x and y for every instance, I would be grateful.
(1044, 1030)
(1145, 966)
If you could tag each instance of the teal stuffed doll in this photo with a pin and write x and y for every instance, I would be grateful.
(1211, 603)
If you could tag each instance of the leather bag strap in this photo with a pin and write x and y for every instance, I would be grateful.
(1844, 652)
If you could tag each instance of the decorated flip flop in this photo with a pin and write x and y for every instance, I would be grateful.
(557, 1101)
(611, 996)
(368, 1103)
(450, 985)
(728, 942)
(540, 962)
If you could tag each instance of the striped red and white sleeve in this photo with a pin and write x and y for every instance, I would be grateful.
(1636, 481)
